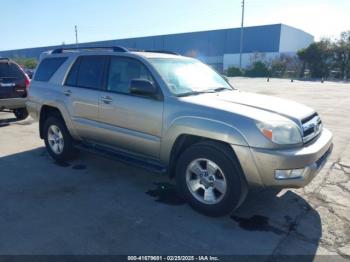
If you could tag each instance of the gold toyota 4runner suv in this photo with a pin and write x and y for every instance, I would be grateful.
(174, 114)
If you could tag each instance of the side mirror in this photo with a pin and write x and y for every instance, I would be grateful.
(142, 87)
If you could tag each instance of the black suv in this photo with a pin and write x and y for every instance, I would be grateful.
(14, 84)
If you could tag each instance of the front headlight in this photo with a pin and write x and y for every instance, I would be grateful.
(283, 133)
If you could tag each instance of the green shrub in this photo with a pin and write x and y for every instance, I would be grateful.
(278, 68)
(234, 71)
(29, 63)
(258, 69)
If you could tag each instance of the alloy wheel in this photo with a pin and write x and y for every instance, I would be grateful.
(206, 181)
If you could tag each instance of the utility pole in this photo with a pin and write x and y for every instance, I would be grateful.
(241, 45)
(76, 35)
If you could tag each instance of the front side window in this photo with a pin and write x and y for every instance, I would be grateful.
(187, 76)
(48, 67)
(122, 71)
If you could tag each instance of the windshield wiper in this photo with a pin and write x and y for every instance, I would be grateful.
(219, 89)
(195, 93)
(214, 90)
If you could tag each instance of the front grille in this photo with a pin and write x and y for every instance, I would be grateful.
(312, 127)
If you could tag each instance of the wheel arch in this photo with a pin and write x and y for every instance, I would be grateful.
(184, 141)
(184, 131)
(46, 111)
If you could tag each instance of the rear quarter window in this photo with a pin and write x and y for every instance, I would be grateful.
(48, 67)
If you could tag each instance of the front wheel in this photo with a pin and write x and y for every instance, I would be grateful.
(58, 141)
(210, 178)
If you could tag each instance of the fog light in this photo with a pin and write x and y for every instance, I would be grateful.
(289, 174)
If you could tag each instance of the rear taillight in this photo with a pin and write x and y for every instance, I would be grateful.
(27, 82)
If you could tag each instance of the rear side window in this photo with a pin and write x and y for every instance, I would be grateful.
(10, 70)
(87, 72)
(72, 79)
(48, 67)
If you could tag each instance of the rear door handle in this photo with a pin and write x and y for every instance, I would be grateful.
(67, 92)
(106, 99)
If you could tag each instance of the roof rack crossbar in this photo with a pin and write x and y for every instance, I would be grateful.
(113, 48)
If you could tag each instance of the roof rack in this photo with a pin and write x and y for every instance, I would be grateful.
(113, 48)
(5, 58)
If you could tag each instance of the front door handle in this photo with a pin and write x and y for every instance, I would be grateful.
(106, 99)
(67, 92)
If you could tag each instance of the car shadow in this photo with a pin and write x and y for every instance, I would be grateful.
(12, 120)
(283, 213)
(121, 209)
(7, 121)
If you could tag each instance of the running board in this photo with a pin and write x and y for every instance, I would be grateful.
(124, 157)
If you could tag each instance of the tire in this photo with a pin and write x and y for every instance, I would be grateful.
(21, 113)
(204, 192)
(56, 133)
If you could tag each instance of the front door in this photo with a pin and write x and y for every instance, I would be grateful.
(131, 122)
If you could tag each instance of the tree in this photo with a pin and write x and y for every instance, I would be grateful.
(317, 57)
(258, 69)
(29, 63)
(278, 68)
(234, 71)
(341, 52)
(285, 66)
(302, 55)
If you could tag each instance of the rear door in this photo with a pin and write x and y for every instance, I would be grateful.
(13, 81)
(82, 90)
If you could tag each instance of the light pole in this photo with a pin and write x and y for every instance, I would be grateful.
(76, 35)
(241, 44)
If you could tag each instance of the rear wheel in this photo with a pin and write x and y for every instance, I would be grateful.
(58, 141)
(21, 113)
(210, 178)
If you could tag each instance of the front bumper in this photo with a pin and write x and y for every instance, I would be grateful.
(259, 165)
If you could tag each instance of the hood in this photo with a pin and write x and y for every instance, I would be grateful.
(270, 104)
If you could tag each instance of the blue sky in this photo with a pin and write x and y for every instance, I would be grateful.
(41, 22)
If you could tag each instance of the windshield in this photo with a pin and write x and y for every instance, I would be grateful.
(187, 76)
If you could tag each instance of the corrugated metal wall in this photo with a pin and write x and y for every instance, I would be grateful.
(204, 44)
